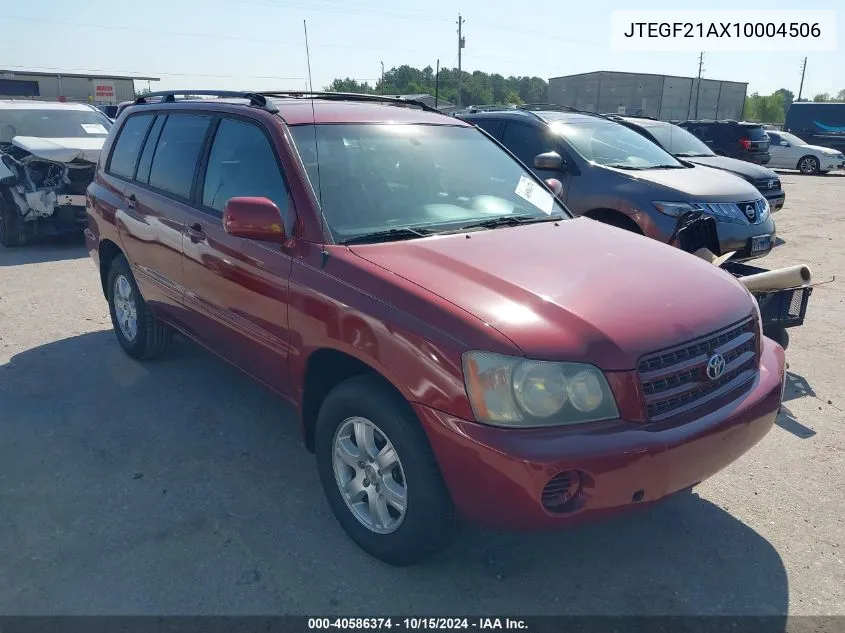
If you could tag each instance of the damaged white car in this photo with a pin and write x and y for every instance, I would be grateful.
(48, 156)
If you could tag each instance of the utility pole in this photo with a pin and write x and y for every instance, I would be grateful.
(437, 85)
(801, 87)
(461, 45)
(698, 87)
(382, 78)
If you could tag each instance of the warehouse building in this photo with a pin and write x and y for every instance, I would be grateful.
(658, 96)
(95, 89)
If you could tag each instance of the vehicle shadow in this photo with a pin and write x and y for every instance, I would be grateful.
(180, 486)
(55, 249)
(779, 241)
(796, 387)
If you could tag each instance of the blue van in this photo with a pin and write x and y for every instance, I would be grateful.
(818, 123)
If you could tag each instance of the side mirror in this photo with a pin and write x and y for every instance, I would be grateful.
(549, 161)
(555, 185)
(254, 219)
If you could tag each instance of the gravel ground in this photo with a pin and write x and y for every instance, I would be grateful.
(181, 487)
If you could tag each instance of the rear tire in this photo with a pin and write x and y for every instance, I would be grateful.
(13, 229)
(139, 333)
(808, 165)
(369, 514)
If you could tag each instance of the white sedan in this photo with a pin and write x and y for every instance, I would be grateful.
(790, 152)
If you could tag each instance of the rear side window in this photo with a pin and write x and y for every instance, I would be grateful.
(242, 163)
(491, 126)
(124, 156)
(177, 152)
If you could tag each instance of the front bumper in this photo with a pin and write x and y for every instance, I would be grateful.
(496, 476)
(829, 163)
(776, 199)
(739, 238)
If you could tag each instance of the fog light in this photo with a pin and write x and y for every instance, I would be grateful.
(563, 489)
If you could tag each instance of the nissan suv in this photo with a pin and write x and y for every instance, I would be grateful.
(454, 342)
(734, 139)
(683, 145)
(612, 174)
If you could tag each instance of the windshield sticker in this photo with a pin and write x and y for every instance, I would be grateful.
(530, 191)
(94, 128)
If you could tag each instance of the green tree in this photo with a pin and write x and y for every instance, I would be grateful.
(788, 97)
(840, 96)
(821, 97)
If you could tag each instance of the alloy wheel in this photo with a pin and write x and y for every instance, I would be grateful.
(369, 475)
(125, 308)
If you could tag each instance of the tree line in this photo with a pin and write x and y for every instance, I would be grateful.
(476, 87)
(772, 108)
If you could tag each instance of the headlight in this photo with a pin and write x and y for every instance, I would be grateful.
(509, 391)
(675, 209)
(764, 210)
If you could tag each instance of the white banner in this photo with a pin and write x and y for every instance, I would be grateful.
(695, 31)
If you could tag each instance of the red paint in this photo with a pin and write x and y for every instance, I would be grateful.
(574, 290)
(254, 219)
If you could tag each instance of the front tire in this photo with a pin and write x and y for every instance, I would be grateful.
(808, 165)
(139, 333)
(379, 473)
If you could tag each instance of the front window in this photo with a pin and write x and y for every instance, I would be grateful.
(414, 180)
(614, 145)
(676, 140)
(793, 140)
(52, 123)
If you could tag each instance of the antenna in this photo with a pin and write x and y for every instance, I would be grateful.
(325, 224)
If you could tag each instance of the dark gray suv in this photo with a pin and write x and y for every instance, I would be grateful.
(615, 175)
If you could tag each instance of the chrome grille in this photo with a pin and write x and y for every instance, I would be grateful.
(750, 212)
(676, 380)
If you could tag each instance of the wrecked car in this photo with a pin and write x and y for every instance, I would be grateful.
(48, 155)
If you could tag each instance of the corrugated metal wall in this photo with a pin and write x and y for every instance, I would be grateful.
(661, 97)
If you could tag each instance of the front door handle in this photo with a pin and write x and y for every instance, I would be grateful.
(131, 201)
(196, 232)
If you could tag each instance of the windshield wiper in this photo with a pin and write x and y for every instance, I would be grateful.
(510, 220)
(389, 235)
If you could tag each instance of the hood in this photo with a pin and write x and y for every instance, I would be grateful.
(61, 150)
(697, 184)
(741, 168)
(578, 291)
(823, 150)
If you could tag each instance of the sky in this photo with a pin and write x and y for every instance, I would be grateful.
(260, 44)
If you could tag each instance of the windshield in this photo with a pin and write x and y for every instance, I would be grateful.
(387, 177)
(676, 140)
(52, 123)
(614, 145)
(793, 140)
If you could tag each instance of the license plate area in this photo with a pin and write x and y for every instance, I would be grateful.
(761, 243)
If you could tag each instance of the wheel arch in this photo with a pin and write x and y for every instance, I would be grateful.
(108, 250)
(614, 218)
(806, 156)
(326, 368)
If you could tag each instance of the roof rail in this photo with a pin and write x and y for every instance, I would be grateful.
(547, 106)
(485, 108)
(348, 96)
(169, 96)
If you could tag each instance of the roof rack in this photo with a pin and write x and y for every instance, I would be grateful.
(169, 96)
(547, 106)
(348, 96)
(485, 108)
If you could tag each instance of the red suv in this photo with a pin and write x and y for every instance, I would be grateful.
(454, 341)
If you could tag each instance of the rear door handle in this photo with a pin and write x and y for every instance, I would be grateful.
(196, 232)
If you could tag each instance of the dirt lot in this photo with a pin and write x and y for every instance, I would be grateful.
(180, 486)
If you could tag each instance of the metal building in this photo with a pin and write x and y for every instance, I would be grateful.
(94, 89)
(659, 96)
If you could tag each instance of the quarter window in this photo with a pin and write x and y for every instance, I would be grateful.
(124, 157)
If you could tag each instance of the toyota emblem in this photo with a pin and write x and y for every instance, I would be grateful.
(750, 211)
(715, 366)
